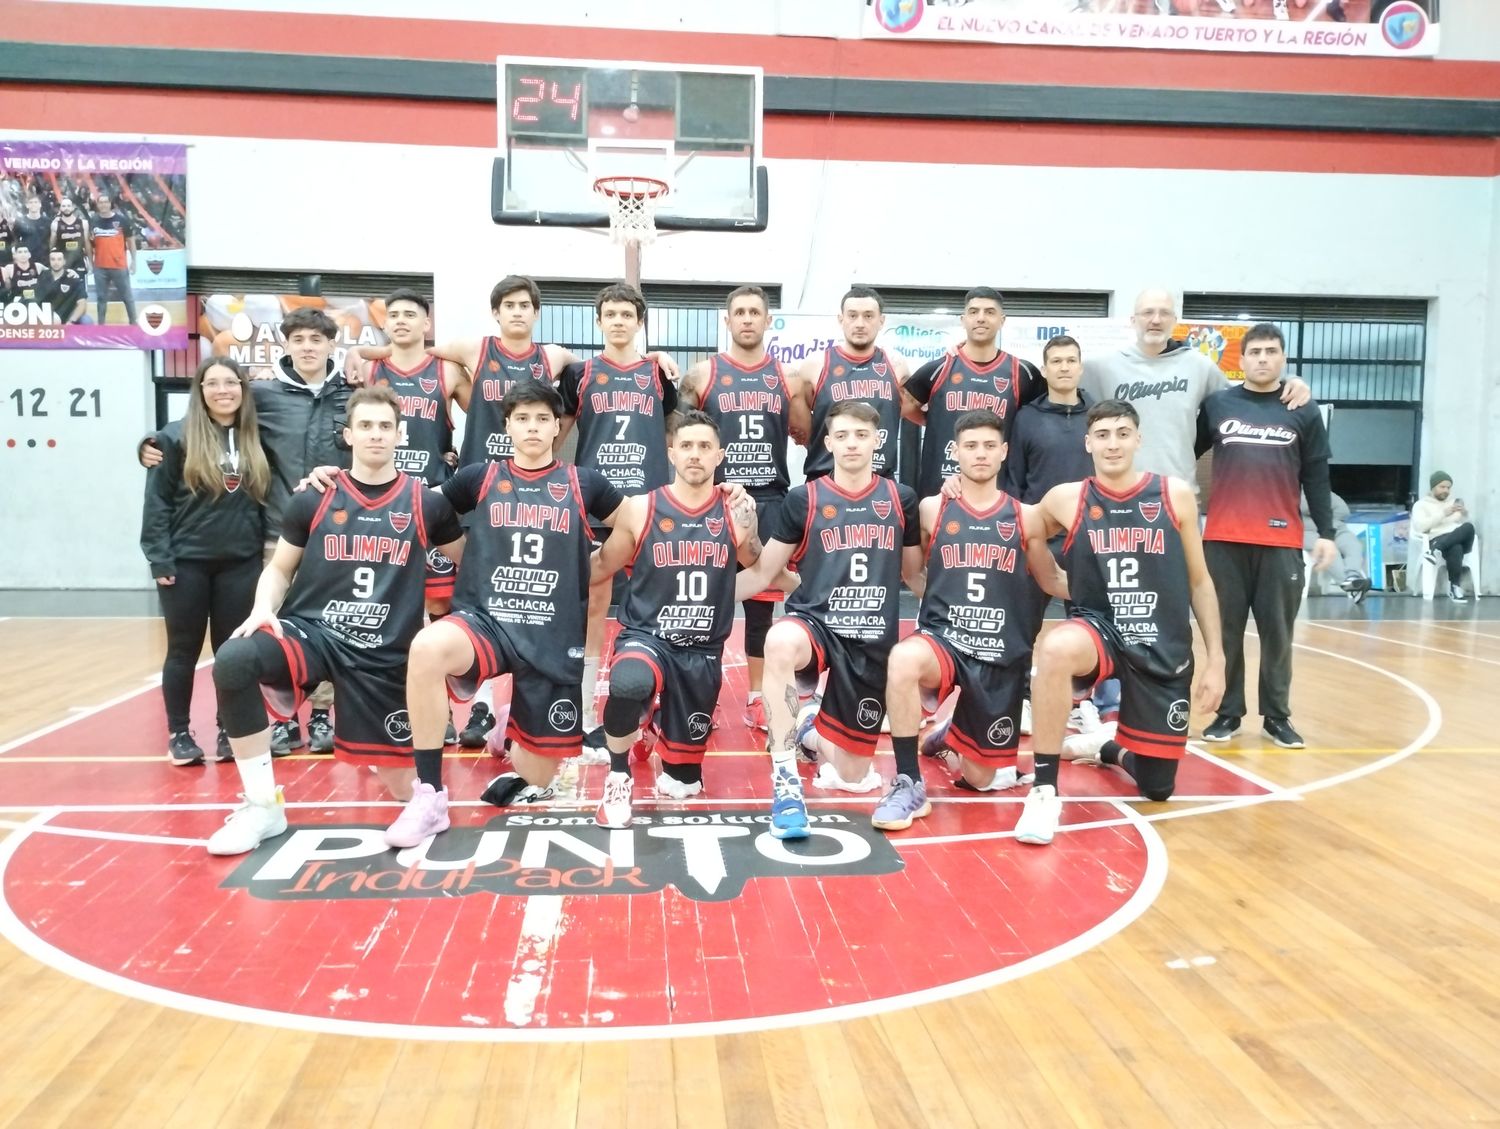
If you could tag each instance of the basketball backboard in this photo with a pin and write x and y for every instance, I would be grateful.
(564, 123)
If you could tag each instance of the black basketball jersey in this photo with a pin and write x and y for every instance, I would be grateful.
(622, 431)
(23, 283)
(426, 424)
(499, 370)
(961, 386)
(1124, 560)
(751, 407)
(849, 560)
(364, 568)
(69, 238)
(526, 562)
(682, 576)
(980, 598)
(846, 378)
(7, 237)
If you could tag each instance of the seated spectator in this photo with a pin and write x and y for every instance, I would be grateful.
(1451, 534)
(1351, 552)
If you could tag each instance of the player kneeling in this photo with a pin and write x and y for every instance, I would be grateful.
(979, 617)
(853, 536)
(680, 544)
(347, 577)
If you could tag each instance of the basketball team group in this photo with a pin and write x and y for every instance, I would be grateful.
(318, 523)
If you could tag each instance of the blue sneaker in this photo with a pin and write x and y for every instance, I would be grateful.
(788, 809)
(906, 801)
(935, 744)
(805, 731)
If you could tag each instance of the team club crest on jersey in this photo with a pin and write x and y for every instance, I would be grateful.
(1150, 510)
(231, 481)
(881, 368)
(715, 525)
(400, 522)
(772, 380)
(1007, 529)
(558, 490)
(882, 508)
(1002, 384)
(538, 370)
(427, 384)
(643, 380)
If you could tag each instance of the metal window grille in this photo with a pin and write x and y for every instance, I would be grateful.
(683, 319)
(1354, 352)
(1018, 303)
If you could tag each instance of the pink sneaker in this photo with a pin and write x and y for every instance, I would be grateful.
(425, 815)
(755, 715)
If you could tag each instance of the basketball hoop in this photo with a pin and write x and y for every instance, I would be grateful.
(632, 206)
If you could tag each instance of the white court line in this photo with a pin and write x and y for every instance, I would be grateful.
(1292, 792)
(45, 814)
(152, 683)
(1243, 773)
(1403, 643)
(1153, 877)
(1465, 632)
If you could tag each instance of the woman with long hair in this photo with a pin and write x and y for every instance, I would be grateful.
(203, 532)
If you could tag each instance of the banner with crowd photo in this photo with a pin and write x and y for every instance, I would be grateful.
(93, 245)
(247, 327)
(1389, 28)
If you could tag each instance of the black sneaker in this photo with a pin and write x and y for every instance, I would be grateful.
(319, 732)
(1222, 728)
(183, 751)
(1358, 587)
(222, 751)
(1280, 730)
(285, 736)
(477, 730)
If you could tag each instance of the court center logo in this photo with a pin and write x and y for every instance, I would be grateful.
(705, 855)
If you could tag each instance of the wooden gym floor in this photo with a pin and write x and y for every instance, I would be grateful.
(1301, 938)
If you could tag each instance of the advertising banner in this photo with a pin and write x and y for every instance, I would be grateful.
(1389, 28)
(247, 327)
(93, 248)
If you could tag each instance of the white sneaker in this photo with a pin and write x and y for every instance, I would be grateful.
(670, 788)
(828, 779)
(1040, 815)
(1026, 717)
(614, 808)
(1083, 748)
(1084, 718)
(425, 815)
(248, 826)
(1457, 594)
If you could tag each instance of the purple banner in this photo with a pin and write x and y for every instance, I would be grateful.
(93, 245)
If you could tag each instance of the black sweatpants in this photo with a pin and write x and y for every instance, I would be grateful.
(209, 595)
(1454, 546)
(1267, 582)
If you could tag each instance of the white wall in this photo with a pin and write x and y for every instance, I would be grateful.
(1109, 229)
(72, 512)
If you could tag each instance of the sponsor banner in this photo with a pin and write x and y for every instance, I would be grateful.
(1389, 28)
(926, 337)
(93, 245)
(247, 327)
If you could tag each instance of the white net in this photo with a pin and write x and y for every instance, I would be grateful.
(632, 207)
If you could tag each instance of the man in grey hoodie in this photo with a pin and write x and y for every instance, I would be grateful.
(1166, 386)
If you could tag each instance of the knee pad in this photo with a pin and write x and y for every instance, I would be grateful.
(632, 685)
(758, 615)
(237, 665)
